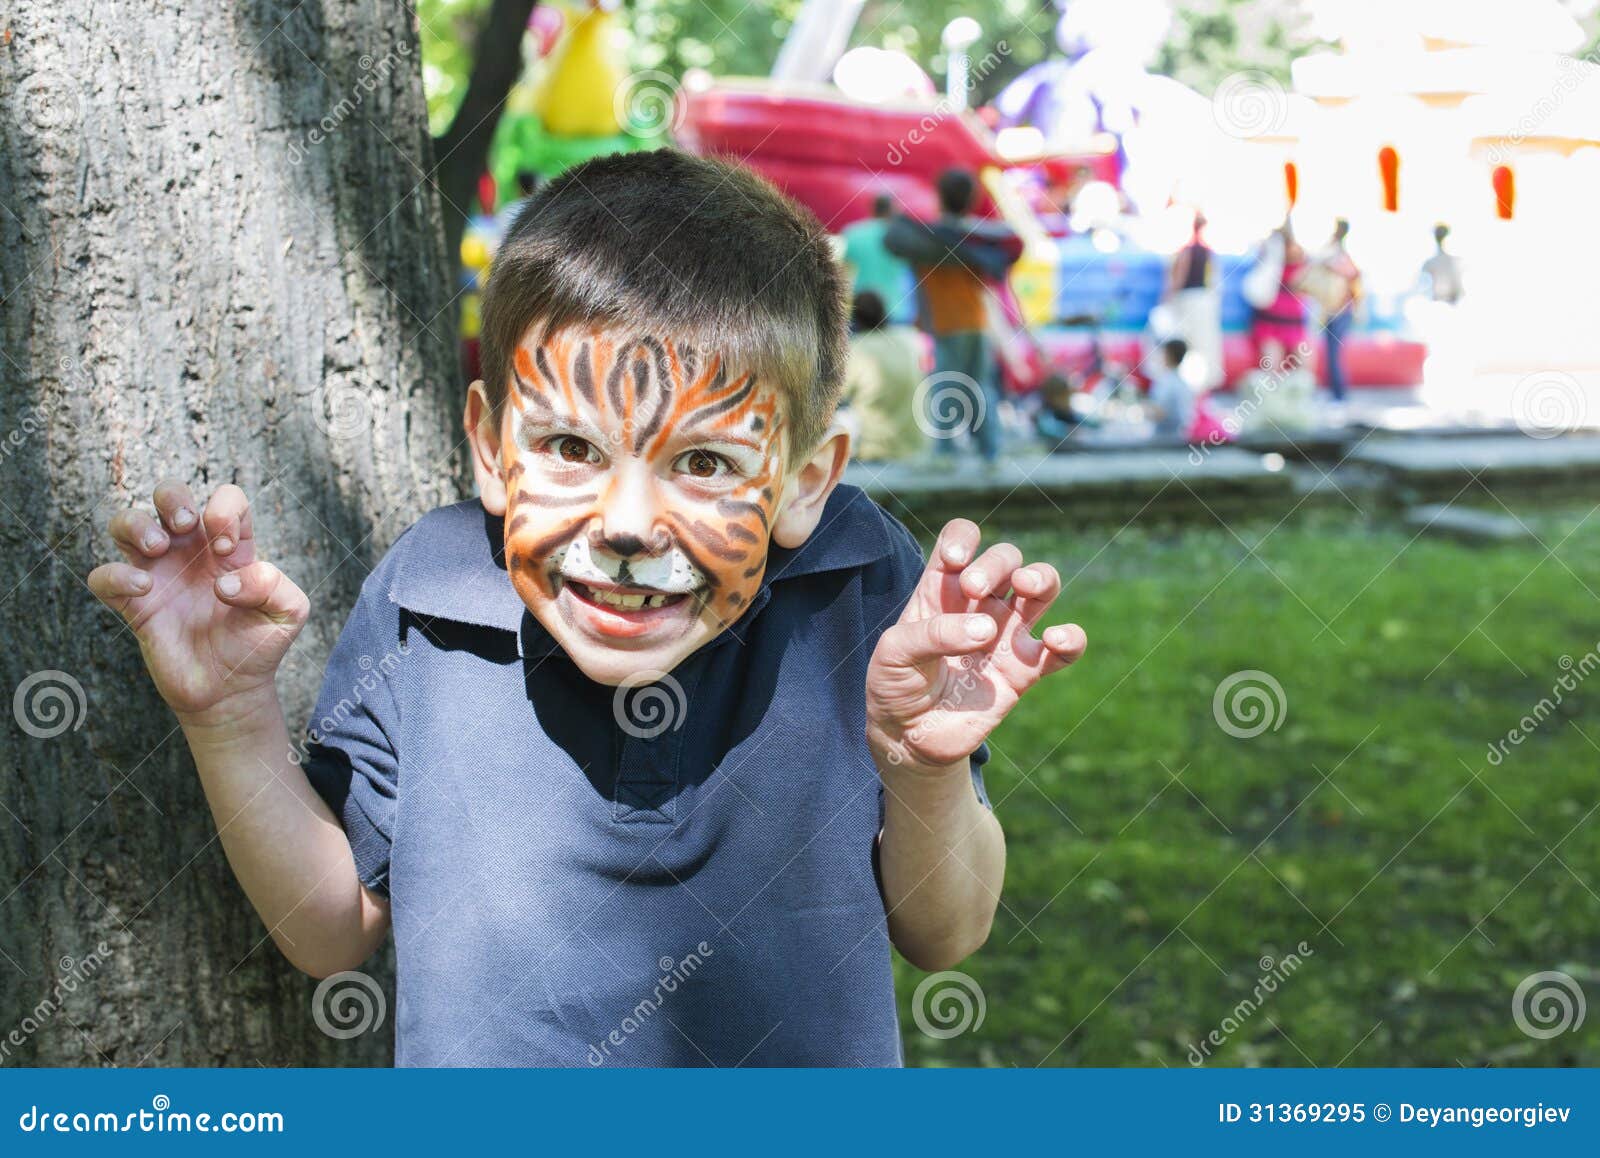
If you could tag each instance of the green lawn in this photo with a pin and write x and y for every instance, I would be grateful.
(1155, 860)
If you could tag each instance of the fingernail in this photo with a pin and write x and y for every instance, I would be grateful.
(222, 544)
(980, 627)
(182, 518)
(141, 581)
(151, 540)
(956, 554)
(228, 584)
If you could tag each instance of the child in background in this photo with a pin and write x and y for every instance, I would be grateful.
(880, 383)
(1171, 401)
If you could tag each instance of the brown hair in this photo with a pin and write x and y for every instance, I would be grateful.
(683, 247)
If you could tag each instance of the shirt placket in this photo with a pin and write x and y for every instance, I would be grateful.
(652, 720)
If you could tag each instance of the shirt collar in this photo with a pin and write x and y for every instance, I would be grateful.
(451, 564)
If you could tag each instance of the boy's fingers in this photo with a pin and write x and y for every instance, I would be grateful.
(922, 640)
(262, 587)
(1065, 643)
(138, 535)
(227, 519)
(115, 583)
(957, 544)
(991, 573)
(175, 504)
(1037, 586)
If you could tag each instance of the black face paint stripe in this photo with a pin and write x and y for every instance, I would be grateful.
(734, 508)
(659, 353)
(663, 399)
(534, 398)
(543, 363)
(583, 373)
(728, 403)
(614, 383)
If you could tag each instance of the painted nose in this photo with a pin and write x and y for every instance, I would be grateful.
(629, 524)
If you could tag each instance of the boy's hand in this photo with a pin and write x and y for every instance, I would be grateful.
(212, 620)
(963, 652)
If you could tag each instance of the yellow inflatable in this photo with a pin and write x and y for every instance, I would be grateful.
(583, 76)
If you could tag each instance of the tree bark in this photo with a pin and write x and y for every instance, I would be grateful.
(220, 259)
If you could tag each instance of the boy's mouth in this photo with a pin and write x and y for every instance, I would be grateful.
(621, 612)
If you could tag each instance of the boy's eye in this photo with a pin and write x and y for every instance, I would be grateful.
(571, 448)
(701, 463)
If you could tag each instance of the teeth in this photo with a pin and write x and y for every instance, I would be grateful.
(627, 602)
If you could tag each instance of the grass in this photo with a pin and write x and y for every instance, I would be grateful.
(1156, 862)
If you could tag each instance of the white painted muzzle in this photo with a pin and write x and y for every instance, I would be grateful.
(671, 573)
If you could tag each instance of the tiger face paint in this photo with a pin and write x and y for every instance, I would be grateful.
(643, 477)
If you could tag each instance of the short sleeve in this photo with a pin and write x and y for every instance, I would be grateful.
(351, 752)
(909, 563)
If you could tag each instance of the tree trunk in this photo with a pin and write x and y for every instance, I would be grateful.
(220, 260)
(462, 150)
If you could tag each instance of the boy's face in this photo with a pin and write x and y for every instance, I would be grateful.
(642, 479)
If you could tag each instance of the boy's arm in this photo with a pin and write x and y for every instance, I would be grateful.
(285, 846)
(940, 680)
(213, 623)
(942, 858)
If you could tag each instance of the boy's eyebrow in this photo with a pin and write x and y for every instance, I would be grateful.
(558, 423)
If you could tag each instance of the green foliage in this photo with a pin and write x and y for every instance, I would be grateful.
(1155, 860)
(447, 29)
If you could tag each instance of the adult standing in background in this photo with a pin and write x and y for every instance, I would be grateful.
(1277, 315)
(873, 269)
(1343, 290)
(955, 258)
(1441, 273)
(1196, 308)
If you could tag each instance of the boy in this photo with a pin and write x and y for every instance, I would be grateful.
(605, 745)
(1171, 401)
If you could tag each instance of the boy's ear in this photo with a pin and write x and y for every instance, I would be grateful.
(483, 436)
(812, 485)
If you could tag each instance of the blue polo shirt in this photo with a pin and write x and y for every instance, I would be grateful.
(681, 873)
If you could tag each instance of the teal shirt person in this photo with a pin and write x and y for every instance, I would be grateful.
(874, 268)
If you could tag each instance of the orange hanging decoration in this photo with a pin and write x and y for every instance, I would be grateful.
(1389, 171)
(1505, 191)
(1291, 181)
